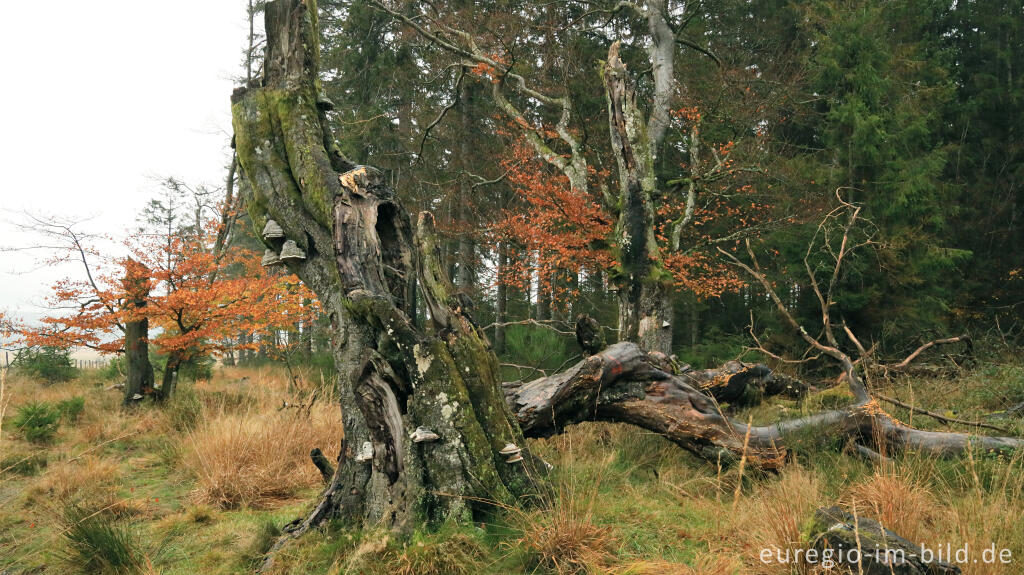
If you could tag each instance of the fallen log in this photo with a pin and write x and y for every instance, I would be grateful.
(623, 383)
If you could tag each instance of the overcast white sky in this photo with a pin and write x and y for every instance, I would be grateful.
(99, 98)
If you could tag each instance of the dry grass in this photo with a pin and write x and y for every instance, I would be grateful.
(774, 517)
(705, 564)
(91, 482)
(897, 501)
(89, 479)
(257, 459)
(565, 537)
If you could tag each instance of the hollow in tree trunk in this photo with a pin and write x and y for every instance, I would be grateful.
(423, 414)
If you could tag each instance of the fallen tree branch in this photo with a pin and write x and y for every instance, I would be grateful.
(939, 417)
(906, 362)
(547, 324)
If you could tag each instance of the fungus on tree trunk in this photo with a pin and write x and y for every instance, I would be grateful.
(362, 260)
(364, 263)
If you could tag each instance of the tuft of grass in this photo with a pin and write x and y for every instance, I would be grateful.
(90, 483)
(202, 514)
(96, 544)
(184, 410)
(447, 552)
(565, 538)
(267, 533)
(38, 421)
(255, 460)
(896, 501)
(775, 516)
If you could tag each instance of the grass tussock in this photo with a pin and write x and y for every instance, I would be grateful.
(564, 536)
(96, 544)
(257, 459)
(897, 501)
(775, 516)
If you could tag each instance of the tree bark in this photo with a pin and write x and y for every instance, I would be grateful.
(393, 378)
(644, 286)
(501, 306)
(623, 383)
(140, 378)
(170, 379)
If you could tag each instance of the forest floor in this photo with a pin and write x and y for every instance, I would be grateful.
(204, 484)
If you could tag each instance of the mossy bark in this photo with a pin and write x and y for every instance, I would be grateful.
(644, 286)
(362, 260)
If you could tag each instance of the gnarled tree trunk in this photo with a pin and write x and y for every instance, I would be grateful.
(361, 259)
(139, 381)
(645, 287)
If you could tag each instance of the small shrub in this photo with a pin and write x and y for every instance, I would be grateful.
(71, 409)
(38, 421)
(115, 369)
(95, 543)
(197, 369)
(50, 364)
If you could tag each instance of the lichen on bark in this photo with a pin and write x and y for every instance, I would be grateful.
(363, 261)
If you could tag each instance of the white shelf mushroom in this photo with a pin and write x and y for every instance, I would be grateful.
(270, 258)
(510, 449)
(366, 453)
(422, 434)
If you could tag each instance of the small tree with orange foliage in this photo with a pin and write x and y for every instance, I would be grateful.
(188, 283)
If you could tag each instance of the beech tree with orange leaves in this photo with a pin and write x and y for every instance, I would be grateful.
(186, 283)
(660, 223)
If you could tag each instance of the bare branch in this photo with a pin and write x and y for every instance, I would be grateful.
(939, 417)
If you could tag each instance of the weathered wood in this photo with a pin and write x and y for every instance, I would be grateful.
(322, 464)
(623, 383)
(363, 260)
(645, 287)
(589, 335)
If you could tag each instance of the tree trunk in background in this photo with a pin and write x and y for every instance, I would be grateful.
(466, 272)
(543, 296)
(501, 305)
(170, 379)
(140, 378)
(245, 355)
(392, 377)
(694, 324)
(645, 287)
